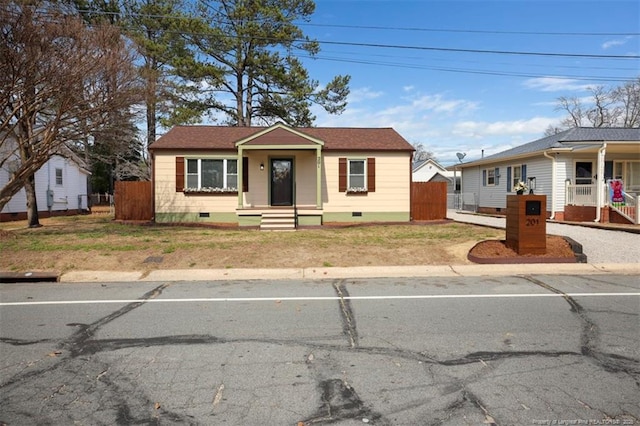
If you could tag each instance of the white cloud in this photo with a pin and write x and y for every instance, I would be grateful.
(555, 84)
(363, 94)
(483, 129)
(441, 124)
(612, 43)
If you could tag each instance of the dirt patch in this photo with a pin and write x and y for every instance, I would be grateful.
(496, 251)
(6, 235)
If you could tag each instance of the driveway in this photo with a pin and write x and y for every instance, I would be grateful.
(600, 245)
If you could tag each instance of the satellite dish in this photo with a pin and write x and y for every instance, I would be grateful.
(461, 155)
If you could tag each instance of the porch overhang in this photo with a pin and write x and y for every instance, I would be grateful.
(281, 137)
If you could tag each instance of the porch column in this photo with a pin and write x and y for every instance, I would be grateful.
(600, 196)
(318, 177)
(240, 174)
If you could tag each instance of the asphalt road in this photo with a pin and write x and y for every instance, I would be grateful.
(508, 350)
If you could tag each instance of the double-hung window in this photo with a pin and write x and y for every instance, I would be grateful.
(629, 172)
(212, 174)
(357, 175)
(491, 177)
(59, 180)
(516, 176)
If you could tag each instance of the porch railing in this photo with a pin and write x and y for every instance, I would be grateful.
(628, 207)
(581, 195)
(586, 195)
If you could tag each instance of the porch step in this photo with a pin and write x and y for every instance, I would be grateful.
(281, 220)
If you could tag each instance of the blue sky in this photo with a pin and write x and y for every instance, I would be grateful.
(452, 101)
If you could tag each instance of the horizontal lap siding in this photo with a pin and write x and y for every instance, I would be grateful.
(167, 200)
(392, 192)
(74, 183)
(496, 196)
(305, 169)
(392, 184)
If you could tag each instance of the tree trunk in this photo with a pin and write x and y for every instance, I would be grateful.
(151, 122)
(32, 203)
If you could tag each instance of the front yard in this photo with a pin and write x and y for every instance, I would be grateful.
(95, 242)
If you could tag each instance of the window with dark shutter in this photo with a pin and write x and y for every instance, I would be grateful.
(179, 174)
(342, 174)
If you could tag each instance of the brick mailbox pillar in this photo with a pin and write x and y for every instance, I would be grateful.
(527, 223)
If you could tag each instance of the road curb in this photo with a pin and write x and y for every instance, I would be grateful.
(419, 271)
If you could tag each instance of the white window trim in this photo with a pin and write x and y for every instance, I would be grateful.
(493, 174)
(61, 176)
(513, 176)
(575, 169)
(351, 188)
(624, 175)
(225, 178)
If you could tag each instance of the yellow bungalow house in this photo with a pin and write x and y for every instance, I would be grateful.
(280, 177)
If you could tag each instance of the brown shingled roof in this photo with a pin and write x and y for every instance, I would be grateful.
(334, 138)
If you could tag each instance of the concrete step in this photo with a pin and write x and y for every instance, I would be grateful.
(278, 221)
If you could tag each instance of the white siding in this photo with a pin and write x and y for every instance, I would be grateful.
(496, 196)
(65, 196)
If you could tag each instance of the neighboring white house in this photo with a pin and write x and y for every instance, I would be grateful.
(430, 170)
(61, 188)
(574, 169)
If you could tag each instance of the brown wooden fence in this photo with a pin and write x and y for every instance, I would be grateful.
(133, 201)
(428, 200)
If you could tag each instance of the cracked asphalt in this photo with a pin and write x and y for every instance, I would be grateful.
(506, 350)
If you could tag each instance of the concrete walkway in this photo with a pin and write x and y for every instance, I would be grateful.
(599, 244)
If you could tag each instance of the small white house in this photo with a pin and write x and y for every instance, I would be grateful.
(61, 189)
(430, 170)
(577, 169)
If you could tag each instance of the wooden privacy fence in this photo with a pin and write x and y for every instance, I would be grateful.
(428, 200)
(133, 201)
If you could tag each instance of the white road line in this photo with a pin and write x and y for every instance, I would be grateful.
(312, 298)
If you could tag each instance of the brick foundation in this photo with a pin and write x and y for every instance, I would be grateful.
(579, 213)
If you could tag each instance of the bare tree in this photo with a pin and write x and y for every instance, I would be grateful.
(606, 107)
(61, 81)
(421, 153)
(573, 107)
(628, 103)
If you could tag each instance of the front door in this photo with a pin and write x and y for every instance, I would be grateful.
(281, 182)
(584, 172)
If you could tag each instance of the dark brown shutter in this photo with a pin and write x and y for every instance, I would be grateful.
(245, 174)
(371, 174)
(342, 174)
(179, 174)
